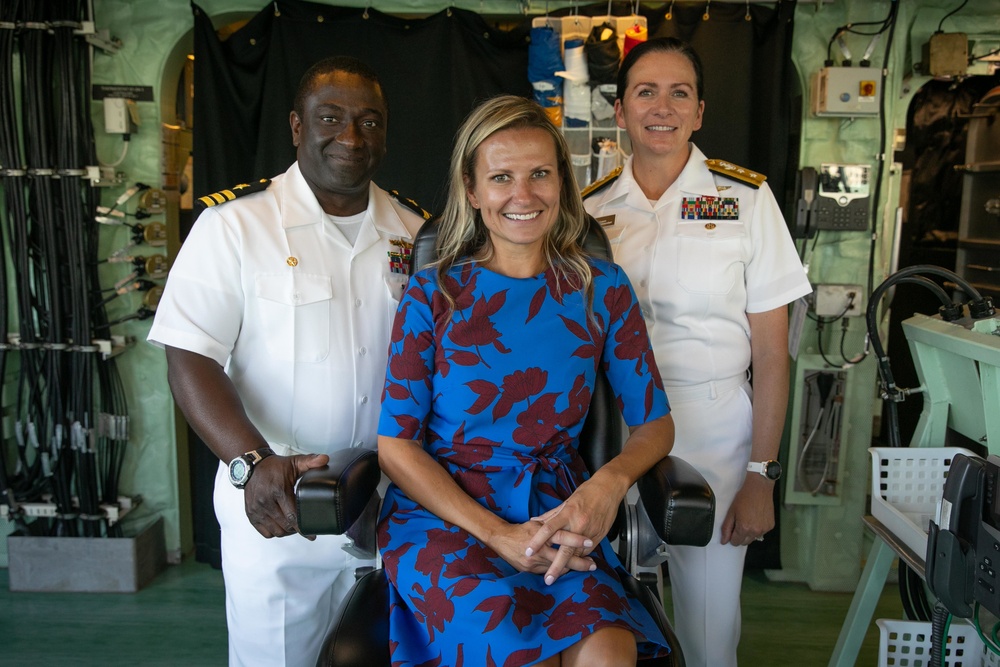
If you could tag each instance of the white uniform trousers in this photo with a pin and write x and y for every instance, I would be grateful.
(281, 593)
(713, 425)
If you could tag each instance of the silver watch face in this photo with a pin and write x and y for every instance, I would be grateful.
(239, 471)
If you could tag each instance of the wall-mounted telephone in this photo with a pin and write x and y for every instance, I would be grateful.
(834, 197)
(963, 548)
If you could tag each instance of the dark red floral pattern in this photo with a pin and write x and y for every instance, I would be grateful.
(497, 392)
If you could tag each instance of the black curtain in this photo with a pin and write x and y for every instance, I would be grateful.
(434, 71)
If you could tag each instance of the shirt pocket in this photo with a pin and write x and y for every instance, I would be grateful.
(395, 287)
(295, 312)
(709, 261)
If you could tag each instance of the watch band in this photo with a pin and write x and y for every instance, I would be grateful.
(768, 469)
(258, 455)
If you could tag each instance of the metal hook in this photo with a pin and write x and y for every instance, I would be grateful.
(747, 16)
(364, 14)
(277, 12)
(704, 17)
(670, 11)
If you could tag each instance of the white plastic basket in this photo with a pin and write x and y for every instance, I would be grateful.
(907, 484)
(908, 644)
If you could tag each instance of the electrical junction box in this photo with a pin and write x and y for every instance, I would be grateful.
(947, 54)
(838, 300)
(120, 115)
(846, 91)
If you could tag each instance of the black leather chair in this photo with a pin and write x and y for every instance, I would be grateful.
(676, 506)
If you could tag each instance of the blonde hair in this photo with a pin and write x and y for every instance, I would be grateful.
(462, 234)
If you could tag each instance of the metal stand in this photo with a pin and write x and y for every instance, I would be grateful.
(885, 548)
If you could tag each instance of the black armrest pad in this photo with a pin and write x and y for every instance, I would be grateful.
(679, 502)
(330, 499)
(359, 633)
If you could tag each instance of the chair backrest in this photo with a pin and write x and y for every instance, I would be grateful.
(601, 438)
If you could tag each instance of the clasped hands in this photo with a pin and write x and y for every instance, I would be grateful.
(562, 539)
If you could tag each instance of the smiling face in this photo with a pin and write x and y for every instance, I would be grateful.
(659, 107)
(516, 187)
(340, 139)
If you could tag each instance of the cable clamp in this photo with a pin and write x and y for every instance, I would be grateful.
(7, 25)
(85, 348)
(66, 24)
(14, 172)
(72, 172)
(34, 25)
(41, 172)
(56, 346)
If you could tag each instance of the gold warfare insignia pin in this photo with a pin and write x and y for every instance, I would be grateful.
(292, 261)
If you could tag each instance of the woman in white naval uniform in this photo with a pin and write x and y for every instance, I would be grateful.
(291, 291)
(707, 250)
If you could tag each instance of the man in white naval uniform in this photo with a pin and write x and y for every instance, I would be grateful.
(276, 320)
(706, 248)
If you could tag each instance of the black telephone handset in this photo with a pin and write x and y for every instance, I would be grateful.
(808, 183)
(951, 558)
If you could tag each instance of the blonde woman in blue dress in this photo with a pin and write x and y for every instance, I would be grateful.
(493, 534)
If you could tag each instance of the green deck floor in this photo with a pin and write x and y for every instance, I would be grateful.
(179, 619)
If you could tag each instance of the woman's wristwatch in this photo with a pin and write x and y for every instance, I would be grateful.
(769, 469)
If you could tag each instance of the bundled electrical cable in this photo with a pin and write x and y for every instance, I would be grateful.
(70, 417)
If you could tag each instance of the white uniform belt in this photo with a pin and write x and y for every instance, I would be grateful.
(704, 390)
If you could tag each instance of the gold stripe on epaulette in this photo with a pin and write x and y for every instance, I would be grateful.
(736, 172)
(597, 185)
(222, 196)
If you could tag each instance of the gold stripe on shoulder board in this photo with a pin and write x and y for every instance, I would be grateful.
(223, 196)
(600, 183)
(736, 172)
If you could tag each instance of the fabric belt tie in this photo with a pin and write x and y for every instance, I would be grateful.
(546, 460)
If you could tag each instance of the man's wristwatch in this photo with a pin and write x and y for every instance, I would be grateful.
(241, 467)
(769, 469)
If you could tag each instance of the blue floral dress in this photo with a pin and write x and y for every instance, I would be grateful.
(498, 394)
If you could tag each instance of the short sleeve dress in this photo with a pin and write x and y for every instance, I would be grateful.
(498, 393)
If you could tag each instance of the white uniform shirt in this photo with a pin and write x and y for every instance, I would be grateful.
(697, 279)
(270, 289)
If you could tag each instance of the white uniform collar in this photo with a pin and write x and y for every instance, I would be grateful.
(299, 206)
(695, 179)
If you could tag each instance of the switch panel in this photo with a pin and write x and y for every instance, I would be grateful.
(846, 91)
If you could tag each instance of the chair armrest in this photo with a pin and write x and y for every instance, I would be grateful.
(679, 502)
(330, 499)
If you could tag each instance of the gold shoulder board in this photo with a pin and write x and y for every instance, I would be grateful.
(602, 183)
(222, 196)
(736, 172)
(410, 204)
